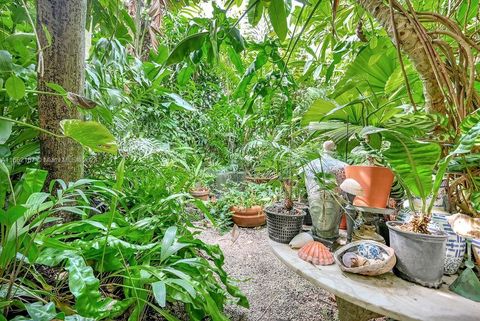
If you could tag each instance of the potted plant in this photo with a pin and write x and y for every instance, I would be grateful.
(248, 207)
(376, 181)
(245, 203)
(258, 161)
(199, 183)
(285, 218)
(420, 250)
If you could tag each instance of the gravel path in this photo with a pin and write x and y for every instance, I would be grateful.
(275, 293)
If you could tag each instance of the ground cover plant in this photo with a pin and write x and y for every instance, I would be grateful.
(113, 114)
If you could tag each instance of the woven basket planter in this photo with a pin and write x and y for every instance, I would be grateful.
(283, 228)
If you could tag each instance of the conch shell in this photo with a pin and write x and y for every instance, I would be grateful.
(465, 225)
(300, 240)
(316, 253)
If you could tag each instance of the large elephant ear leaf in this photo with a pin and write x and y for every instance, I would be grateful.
(413, 162)
(90, 134)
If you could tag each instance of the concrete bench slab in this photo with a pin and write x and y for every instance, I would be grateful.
(362, 298)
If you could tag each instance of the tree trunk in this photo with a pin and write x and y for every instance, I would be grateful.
(61, 32)
(409, 42)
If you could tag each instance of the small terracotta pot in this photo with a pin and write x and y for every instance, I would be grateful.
(201, 194)
(376, 183)
(248, 217)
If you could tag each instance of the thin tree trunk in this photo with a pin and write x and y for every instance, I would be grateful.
(410, 43)
(63, 23)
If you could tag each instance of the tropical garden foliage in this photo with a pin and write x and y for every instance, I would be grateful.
(175, 92)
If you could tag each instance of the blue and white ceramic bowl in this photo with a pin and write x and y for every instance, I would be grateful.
(369, 251)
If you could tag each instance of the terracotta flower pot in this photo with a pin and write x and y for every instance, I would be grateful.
(202, 194)
(376, 183)
(248, 217)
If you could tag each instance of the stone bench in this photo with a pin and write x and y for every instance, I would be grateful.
(361, 298)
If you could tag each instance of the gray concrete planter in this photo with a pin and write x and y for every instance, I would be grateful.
(420, 257)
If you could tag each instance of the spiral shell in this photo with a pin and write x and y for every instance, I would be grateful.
(316, 253)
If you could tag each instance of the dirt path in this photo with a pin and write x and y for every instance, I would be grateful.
(275, 293)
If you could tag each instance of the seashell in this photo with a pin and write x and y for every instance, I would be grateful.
(465, 225)
(351, 186)
(376, 266)
(351, 260)
(316, 253)
(300, 240)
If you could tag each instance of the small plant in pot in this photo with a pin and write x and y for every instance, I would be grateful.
(199, 183)
(376, 180)
(248, 205)
(285, 218)
(420, 249)
(244, 202)
(258, 161)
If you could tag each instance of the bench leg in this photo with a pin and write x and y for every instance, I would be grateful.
(350, 312)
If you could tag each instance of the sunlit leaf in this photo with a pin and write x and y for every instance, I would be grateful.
(15, 87)
(178, 101)
(278, 18)
(90, 134)
(40, 312)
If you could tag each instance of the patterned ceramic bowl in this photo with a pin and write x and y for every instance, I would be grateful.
(369, 251)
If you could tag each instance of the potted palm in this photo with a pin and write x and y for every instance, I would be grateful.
(285, 218)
